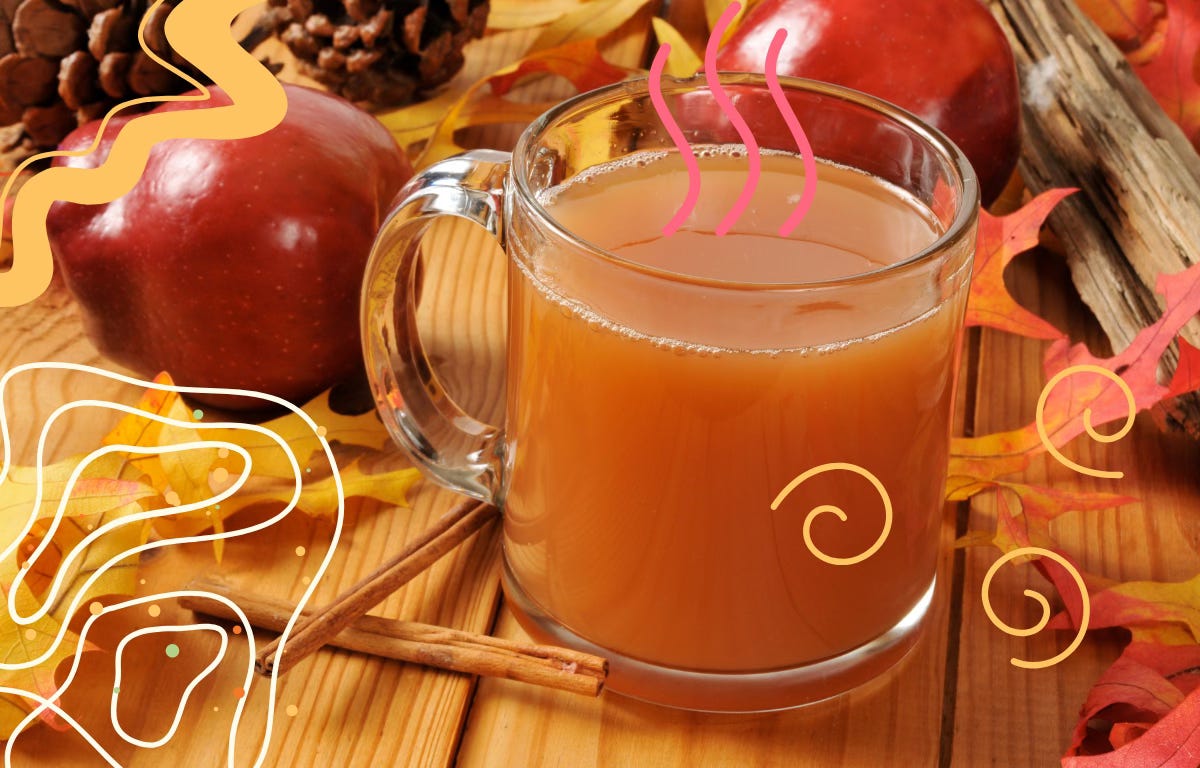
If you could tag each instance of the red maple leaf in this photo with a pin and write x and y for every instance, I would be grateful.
(975, 461)
(1167, 64)
(1129, 23)
(1000, 239)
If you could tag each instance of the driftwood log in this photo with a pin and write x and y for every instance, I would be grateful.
(1090, 123)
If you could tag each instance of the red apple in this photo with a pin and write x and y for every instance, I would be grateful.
(947, 61)
(236, 263)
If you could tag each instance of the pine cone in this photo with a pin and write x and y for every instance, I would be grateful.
(380, 52)
(64, 62)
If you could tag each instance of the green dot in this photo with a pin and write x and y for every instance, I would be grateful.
(197, 414)
(116, 689)
(172, 651)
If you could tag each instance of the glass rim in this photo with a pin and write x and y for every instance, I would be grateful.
(964, 174)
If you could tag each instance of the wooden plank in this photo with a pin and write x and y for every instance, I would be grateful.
(1012, 716)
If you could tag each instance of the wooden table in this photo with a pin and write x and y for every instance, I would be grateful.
(956, 701)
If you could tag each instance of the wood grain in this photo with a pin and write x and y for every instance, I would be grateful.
(1011, 716)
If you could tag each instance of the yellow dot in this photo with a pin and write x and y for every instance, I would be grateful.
(220, 475)
(216, 709)
(223, 453)
(31, 634)
(96, 607)
(141, 581)
(300, 551)
(154, 611)
(171, 498)
(306, 581)
(292, 710)
(321, 431)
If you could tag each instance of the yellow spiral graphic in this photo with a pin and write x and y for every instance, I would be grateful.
(829, 508)
(1041, 600)
(1040, 419)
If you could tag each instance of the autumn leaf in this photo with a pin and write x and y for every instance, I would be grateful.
(97, 493)
(1170, 72)
(75, 554)
(522, 14)
(712, 13)
(999, 241)
(1161, 40)
(682, 61)
(1143, 710)
(363, 430)
(989, 457)
(590, 21)
(1185, 379)
(318, 498)
(580, 63)
(1128, 22)
(20, 646)
(1136, 689)
(118, 496)
(1026, 511)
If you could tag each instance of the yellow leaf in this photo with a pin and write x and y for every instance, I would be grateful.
(589, 22)
(269, 459)
(522, 14)
(579, 62)
(488, 110)
(713, 10)
(682, 61)
(96, 493)
(73, 564)
(318, 498)
(415, 123)
(20, 645)
(135, 429)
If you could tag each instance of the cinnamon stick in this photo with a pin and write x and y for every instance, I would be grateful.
(322, 626)
(432, 646)
(1089, 122)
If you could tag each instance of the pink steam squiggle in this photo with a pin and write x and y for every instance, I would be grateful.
(714, 83)
(793, 124)
(676, 134)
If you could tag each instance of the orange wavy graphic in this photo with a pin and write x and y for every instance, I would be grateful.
(199, 30)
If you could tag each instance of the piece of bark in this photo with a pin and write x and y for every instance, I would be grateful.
(1089, 122)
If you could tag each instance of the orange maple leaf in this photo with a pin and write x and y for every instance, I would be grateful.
(1128, 22)
(1086, 395)
(999, 241)
(1161, 40)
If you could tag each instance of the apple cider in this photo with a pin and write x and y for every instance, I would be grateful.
(655, 412)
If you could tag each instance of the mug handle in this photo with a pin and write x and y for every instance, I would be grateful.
(457, 450)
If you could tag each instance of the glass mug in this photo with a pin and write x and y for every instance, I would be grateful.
(722, 461)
